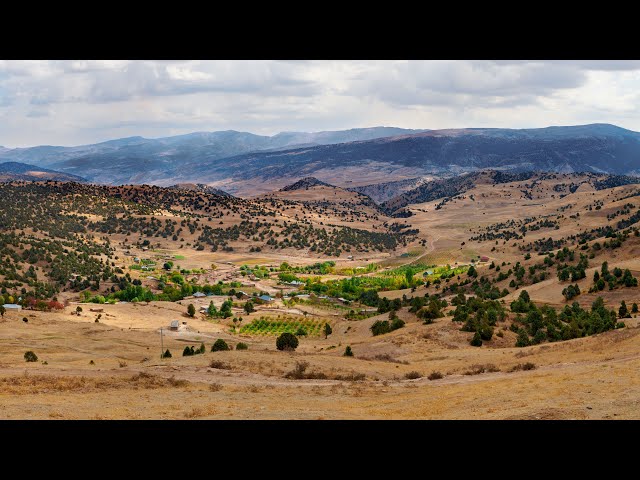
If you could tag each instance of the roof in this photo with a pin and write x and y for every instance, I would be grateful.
(296, 282)
(266, 298)
(12, 305)
(199, 294)
(175, 323)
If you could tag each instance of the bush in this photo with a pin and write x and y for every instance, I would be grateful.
(191, 310)
(188, 351)
(219, 365)
(435, 376)
(201, 349)
(219, 345)
(412, 375)
(287, 341)
(242, 346)
(301, 332)
(30, 356)
(476, 341)
(348, 352)
(166, 354)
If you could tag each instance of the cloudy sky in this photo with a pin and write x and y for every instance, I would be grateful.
(79, 102)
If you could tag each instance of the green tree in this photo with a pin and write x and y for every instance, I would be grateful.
(166, 354)
(248, 307)
(30, 356)
(348, 352)
(201, 349)
(219, 345)
(523, 339)
(328, 331)
(78, 310)
(2, 311)
(634, 308)
(287, 341)
(476, 341)
(472, 272)
(191, 310)
(301, 332)
(623, 312)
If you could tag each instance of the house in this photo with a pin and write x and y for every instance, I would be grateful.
(204, 309)
(136, 259)
(12, 306)
(175, 324)
(295, 283)
(96, 309)
(265, 299)
(199, 295)
(242, 295)
(484, 259)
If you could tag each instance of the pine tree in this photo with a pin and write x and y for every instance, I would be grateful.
(328, 331)
(348, 352)
(191, 310)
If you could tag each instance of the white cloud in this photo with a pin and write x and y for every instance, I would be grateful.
(82, 101)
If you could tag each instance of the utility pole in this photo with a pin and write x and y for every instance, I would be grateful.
(161, 345)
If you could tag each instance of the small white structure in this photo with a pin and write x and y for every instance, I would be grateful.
(175, 324)
(12, 306)
(199, 295)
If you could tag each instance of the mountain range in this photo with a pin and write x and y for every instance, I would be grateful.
(247, 165)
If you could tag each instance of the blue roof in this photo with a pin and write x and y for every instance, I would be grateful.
(12, 305)
(266, 298)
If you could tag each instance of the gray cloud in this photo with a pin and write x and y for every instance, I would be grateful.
(72, 102)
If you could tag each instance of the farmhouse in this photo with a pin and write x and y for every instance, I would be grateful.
(265, 299)
(175, 324)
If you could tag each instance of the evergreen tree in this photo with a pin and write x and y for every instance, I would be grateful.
(191, 310)
(328, 331)
(348, 352)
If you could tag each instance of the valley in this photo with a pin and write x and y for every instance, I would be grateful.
(492, 294)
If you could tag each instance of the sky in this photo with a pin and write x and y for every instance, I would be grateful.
(81, 102)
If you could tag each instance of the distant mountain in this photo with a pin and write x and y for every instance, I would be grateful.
(304, 183)
(144, 160)
(21, 171)
(247, 164)
(586, 148)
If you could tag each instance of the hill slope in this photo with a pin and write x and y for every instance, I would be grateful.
(21, 171)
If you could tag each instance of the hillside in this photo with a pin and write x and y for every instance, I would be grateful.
(514, 293)
(10, 171)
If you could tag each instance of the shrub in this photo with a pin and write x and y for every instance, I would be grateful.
(328, 331)
(523, 339)
(435, 376)
(219, 346)
(30, 356)
(219, 365)
(242, 346)
(188, 351)
(380, 327)
(301, 332)
(348, 352)
(287, 341)
(166, 354)
(476, 341)
(201, 349)
(191, 310)
(412, 375)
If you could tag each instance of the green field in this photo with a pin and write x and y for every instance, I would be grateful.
(275, 326)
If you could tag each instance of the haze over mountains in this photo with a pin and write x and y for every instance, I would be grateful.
(247, 164)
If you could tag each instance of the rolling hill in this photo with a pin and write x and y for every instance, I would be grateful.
(21, 171)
